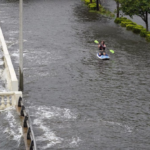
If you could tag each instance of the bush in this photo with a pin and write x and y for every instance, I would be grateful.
(102, 10)
(92, 6)
(118, 20)
(127, 20)
(143, 33)
(148, 37)
(130, 26)
(137, 29)
(87, 2)
(123, 18)
(125, 23)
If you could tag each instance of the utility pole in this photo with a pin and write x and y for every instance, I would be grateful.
(21, 45)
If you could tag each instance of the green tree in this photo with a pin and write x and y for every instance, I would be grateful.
(98, 3)
(136, 7)
(118, 8)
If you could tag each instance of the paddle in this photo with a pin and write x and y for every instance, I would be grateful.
(112, 51)
(96, 42)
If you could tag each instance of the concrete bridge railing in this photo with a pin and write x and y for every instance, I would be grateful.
(12, 82)
(8, 99)
(14, 98)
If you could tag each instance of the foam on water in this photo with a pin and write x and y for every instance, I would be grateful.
(75, 141)
(49, 112)
(12, 127)
(126, 127)
(16, 56)
(49, 136)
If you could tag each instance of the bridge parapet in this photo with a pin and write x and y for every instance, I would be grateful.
(13, 98)
(12, 82)
(9, 99)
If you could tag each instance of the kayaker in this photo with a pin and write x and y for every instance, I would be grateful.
(102, 48)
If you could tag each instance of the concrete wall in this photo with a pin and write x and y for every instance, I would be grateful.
(11, 78)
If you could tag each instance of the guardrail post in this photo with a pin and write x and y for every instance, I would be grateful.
(19, 101)
(28, 134)
(22, 109)
(31, 145)
(25, 121)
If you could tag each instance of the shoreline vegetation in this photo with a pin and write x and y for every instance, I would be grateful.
(132, 26)
(123, 21)
(93, 8)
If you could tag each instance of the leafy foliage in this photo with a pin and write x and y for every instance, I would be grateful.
(148, 37)
(127, 22)
(119, 20)
(130, 26)
(137, 29)
(92, 6)
(87, 2)
(136, 7)
(143, 33)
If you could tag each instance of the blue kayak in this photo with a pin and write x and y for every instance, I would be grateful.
(104, 57)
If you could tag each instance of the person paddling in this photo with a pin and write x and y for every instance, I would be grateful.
(102, 48)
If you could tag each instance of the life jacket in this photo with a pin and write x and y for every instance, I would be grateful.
(101, 47)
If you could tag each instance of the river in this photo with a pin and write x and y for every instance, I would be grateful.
(77, 101)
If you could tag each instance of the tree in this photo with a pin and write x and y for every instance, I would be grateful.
(117, 2)
(136, 7)
(97, 5)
